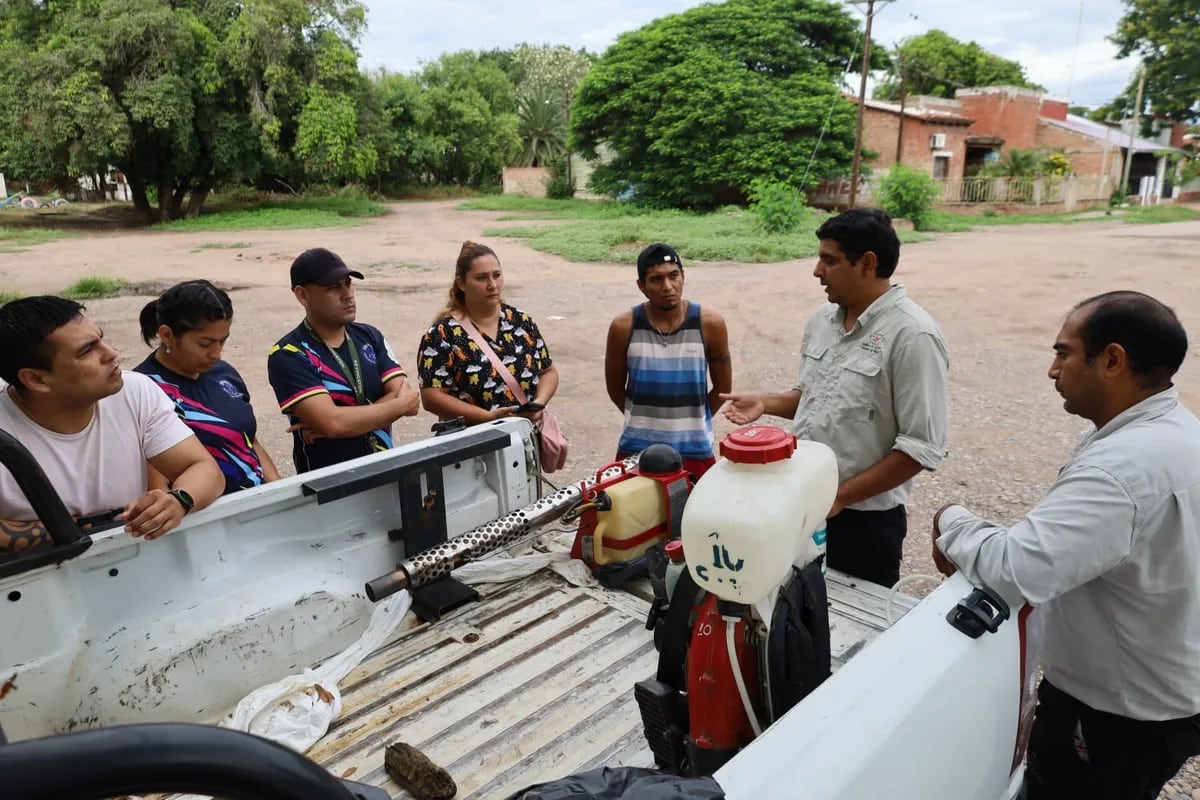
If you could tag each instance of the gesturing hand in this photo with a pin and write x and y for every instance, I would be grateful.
(742, 408)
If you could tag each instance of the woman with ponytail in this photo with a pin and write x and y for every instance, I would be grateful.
(191, 322)
(457, 378)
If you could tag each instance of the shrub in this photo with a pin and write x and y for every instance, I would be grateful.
(778, 208)
(909, 194)
(560, 185)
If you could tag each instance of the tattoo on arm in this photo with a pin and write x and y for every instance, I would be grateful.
(17, 537)
(720, 358)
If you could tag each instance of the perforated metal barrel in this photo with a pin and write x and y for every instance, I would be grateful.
(428, 566)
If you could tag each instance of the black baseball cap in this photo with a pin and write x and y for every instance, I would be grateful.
(320, 266)
(656, 254)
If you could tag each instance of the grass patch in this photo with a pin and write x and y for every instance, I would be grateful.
(18, 240)
(221, 246)
(390, 264)
(1154, 215)
(320, 211)
(8, 297)
(611, 231)
(946, 222)
(94, 287)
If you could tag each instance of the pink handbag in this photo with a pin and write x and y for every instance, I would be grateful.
(553, 442)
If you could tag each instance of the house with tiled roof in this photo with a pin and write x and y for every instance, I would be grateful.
(953, 139)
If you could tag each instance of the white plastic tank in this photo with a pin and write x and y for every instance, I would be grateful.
(753, 514)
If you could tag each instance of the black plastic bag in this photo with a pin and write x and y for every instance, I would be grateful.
(632, 783)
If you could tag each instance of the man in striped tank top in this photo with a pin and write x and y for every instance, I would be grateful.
(658, 362)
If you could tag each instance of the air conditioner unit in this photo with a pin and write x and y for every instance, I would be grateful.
(937, 141)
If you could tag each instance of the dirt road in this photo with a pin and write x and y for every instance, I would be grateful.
(999, 294)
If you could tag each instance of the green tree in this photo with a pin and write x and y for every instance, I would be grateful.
(1165, 36)
(549, 77)
(935, 63)
(551, 68)
(181, 96)
(697, 106)
(543, 125)
(472, 106)
(400, 117)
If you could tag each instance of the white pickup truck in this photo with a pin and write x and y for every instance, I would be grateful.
(531, 682)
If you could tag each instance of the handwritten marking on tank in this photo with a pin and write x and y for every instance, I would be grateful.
(721, 562)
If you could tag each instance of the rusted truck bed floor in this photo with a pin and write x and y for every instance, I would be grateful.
(533, 683)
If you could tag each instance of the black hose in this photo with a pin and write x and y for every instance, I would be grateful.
(162, 757)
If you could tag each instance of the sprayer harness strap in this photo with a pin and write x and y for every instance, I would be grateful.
(677, 632)
(677, 495)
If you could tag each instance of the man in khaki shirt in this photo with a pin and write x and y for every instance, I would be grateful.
(872, 387)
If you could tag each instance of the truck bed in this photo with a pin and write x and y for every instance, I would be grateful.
(530, 684)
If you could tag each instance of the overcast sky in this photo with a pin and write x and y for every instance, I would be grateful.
(1041, 34)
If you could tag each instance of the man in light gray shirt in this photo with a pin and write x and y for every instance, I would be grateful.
(872, 386)
(1110, 560)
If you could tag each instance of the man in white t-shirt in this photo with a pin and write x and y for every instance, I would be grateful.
(91, 427)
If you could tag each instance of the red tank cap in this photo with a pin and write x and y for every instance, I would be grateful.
(758, 444)
(674, 550)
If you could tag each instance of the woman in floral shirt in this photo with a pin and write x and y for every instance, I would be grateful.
(456, 377)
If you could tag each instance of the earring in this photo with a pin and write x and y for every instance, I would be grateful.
(167, 349)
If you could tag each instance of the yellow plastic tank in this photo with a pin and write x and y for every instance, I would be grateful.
(639, 506)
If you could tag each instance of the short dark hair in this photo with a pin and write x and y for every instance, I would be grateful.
(25, 325)
(1152, 336)
(865, 230)
(185, 307)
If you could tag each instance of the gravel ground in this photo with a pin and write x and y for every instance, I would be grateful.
(1000, 295)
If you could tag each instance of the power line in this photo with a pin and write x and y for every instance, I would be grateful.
(832, 105)
(1075, 56)
(862, 92)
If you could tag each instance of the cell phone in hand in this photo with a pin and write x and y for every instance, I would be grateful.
(525, 408)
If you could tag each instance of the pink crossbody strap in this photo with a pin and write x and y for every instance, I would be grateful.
(505, 374)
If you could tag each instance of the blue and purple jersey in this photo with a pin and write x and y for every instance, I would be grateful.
(216, 406)
(301, 366)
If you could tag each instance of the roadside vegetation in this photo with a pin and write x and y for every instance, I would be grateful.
(585, 230)
(18, 240)
(612, 231)
(93, 287)
(945, 222)
(245, 211)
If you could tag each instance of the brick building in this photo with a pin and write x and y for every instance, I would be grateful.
(954, 138)
(930, 135)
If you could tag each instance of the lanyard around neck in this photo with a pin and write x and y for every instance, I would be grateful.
(354, 374)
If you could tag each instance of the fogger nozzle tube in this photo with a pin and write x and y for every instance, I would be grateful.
(387, 585)
(509, 529)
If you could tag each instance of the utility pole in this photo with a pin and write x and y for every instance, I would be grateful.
(862, 95)
(1137, 115)
(900, 127)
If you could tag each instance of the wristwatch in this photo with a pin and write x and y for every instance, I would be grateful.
(184, 499)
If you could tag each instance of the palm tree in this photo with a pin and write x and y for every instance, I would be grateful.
(543, 126)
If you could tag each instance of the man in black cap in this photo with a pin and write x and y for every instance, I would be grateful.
(658, 361)
(336, 379)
